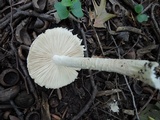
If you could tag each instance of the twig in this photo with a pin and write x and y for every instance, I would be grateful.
(18, 60)
(118, 51)
(130, 29)
(144, 106)
(12, 34)
(109, 114)
(29, 80)
(88, 104)
(130, 3)
(131, 48)
(85, 42)
(23, 7)
(12, 45)
(94, 92)
(154, 20)
(150, 4)
(133, 99)
(19, 113)
(100, 45)
(27, 13)
(5, 107)
(32, 88)
(98, 40)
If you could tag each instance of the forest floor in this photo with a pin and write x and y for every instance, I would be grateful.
(94, 95)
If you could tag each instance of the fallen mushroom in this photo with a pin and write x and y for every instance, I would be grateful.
(56, 55)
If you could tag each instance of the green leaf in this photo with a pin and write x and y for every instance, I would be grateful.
(138, 8)
(158, 105)
(142, 17)
(61, 10)
(76, 9)
(66, 3)
(150, 118)
(151, 112)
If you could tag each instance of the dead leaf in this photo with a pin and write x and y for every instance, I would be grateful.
(152, 111)
(92, 16)
(11, 117)
(128, 112)
(55, 117)
(101, 14)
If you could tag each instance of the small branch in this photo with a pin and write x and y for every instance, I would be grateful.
(150, 98)
(133, 99)
(23, 7)
(88, 104)
(154, 20)
(118, 51)
(29, 80)
(94, 92)
(32, 88)
(18, 112)
(27, 13)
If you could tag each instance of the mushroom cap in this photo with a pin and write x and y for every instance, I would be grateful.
(40, 64)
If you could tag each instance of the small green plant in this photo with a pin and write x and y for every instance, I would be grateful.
(68, 6)
(140, 17)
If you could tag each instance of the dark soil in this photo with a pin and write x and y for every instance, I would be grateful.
(90, 95)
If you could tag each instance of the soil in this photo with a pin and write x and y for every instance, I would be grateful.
(94, 95)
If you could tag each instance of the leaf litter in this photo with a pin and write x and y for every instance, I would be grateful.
(90, 96)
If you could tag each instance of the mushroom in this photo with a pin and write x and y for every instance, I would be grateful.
(56, 56)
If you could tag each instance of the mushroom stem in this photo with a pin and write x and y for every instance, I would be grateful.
(140, 69)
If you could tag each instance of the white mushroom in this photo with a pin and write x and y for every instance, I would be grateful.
(56, 55)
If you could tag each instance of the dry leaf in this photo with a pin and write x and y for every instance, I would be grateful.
(11, 117)
(55, 117)
(92, 16)
(128, 112)
(151, 111)
(101, 14)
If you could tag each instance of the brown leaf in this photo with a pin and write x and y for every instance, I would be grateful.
(11, 117)
(55, 117)
(101, 15)
(92, 15)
